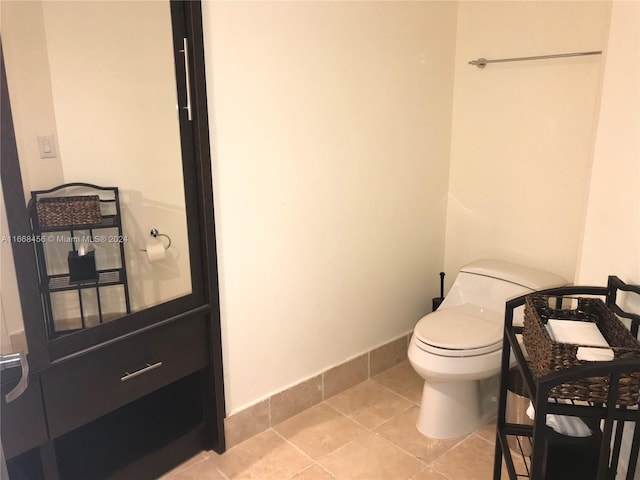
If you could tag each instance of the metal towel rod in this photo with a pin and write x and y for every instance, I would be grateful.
(482, 62)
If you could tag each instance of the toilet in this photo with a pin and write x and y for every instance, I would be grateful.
(457, 349)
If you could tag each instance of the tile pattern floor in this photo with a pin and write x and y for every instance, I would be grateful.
(364, 433)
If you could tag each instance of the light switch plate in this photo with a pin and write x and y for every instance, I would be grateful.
(47, 146)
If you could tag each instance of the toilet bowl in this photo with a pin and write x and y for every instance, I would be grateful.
(457, 349)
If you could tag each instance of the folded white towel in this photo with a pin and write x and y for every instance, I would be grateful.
(594, 354)
(570, 426)
(575, 332)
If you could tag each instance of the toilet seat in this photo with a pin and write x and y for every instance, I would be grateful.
(462, 331)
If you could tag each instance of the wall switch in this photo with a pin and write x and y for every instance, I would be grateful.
(47, 146)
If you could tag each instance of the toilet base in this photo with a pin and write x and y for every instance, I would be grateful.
(454, 409)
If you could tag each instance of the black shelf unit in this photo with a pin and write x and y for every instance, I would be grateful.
(554, 456)
(50, 284)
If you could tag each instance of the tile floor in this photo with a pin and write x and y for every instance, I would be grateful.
(364, 433)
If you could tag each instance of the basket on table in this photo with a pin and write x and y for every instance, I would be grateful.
(547, 356)
(63, 211)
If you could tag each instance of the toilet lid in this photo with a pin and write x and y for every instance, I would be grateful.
(465, 327)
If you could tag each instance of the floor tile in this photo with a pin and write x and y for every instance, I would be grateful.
(401, 431)
(267, 456)
(472, 459)
(319, 430)
(403, 380)
(370, 457)
(429, 474)
(366, 432)
(205, 470)
(488, 432)
(369, 403)
(200, 457)
(314, 472)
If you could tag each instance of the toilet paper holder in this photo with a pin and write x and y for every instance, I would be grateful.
(155, 234)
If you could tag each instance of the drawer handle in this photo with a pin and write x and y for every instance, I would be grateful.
(148, 368)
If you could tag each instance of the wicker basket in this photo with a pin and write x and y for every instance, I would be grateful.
(68, 211)
(547, 356)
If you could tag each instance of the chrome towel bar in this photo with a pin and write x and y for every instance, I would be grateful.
(482, 62)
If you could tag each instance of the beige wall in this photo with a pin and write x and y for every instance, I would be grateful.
(523, 132)
(29, 80)
(611, 240)
(330, 126)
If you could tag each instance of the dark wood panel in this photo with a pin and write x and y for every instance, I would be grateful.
(23, 421)
(163, 460)
(141, 440)
(91, 385)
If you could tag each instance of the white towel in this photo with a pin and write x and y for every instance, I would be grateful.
(581, 333)
(594, 354)
(576, 332)
(570, 426)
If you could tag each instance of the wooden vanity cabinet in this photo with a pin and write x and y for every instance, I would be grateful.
(130, 409)
(122, 372)
(137, 396)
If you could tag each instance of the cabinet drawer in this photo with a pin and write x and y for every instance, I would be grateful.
(23, 423)
(84, 388)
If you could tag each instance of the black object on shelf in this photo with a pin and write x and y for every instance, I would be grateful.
(82, 268)
(572, 457)
(555, 456)
(88, 211)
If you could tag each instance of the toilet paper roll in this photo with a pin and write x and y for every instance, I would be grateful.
(155, 251)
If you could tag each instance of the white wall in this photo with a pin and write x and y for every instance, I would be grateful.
(29, 80)
(523, 132)
(330, 126)
(611, 240)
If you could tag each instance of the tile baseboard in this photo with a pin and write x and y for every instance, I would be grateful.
(285, 404)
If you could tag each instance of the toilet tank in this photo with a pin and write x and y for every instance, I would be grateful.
(490, 283)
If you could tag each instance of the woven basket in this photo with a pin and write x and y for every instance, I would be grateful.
(68, 211)
(547, 356)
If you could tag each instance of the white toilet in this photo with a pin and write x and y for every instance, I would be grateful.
(457, 349)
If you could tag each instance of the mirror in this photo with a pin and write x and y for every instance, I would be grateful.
(94, 100)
